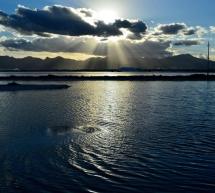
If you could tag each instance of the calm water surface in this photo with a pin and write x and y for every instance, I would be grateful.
(155, 137)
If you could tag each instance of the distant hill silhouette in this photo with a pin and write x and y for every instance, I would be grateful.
(181, 62)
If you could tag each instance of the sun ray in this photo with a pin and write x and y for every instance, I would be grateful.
(117, 56)
(98, 49)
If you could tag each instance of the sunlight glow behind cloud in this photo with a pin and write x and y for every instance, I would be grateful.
(108, 16)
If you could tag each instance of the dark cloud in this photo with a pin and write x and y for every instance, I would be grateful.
(135, 26)
(122, 23)
(175, 28)
(55, 19)
(138, 28)
(106, 30)
(171, 29)
(189, 32)
(187, 43)
(65, 21)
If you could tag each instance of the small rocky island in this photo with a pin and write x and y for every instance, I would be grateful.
(14, 86)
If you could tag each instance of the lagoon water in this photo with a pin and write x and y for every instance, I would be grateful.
(109, 136)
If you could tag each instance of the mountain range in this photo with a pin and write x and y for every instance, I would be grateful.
(184, 62)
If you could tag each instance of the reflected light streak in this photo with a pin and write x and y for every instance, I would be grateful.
(108, 111)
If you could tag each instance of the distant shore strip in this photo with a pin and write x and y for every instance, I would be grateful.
(193, 77)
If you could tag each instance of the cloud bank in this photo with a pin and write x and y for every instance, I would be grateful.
(147, 48)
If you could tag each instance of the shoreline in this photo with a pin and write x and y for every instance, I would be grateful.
(193, 77)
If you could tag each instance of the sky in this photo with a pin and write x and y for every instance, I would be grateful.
(124, 29)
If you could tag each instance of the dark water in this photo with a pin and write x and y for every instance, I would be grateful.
(155, 137)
